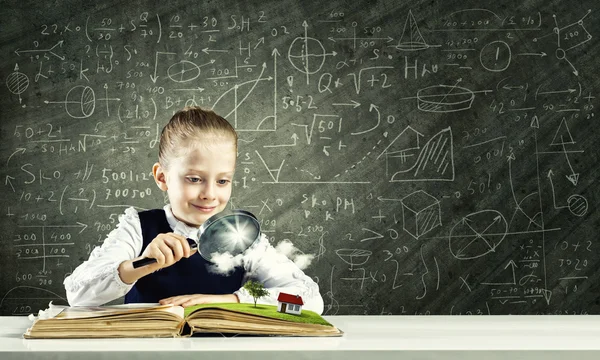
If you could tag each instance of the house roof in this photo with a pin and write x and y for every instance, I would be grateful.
(289, 298)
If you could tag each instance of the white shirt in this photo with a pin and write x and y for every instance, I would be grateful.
(97, 281)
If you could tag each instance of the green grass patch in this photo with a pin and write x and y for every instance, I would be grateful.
(307, 316)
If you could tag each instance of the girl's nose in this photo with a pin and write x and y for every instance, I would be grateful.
(208, 191)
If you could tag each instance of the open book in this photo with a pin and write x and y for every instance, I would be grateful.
(152, 320)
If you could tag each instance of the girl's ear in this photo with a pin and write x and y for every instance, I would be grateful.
(159, 176)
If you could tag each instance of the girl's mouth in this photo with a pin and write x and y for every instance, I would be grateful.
(203, 208)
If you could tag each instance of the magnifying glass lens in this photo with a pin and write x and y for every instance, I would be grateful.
(229, 234)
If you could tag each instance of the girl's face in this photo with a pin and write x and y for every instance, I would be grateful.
(198, 182)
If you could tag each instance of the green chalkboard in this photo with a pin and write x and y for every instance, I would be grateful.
(436, 157)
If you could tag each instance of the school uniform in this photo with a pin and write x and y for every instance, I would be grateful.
(97, 281)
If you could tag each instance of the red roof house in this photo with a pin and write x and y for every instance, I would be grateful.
(290, 304)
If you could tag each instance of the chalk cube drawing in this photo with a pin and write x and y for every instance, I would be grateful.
(420, 213)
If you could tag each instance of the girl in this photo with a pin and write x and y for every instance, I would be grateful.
(196, 163)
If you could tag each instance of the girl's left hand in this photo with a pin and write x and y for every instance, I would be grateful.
(193, 299)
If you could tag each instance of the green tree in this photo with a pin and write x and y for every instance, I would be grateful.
(256, 289)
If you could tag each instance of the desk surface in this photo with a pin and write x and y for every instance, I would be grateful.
(378, 337)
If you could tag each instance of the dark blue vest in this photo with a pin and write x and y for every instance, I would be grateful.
(187, 276)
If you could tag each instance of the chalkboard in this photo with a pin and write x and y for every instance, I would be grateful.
(436, 157)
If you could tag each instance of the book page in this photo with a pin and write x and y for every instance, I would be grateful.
(78, 312)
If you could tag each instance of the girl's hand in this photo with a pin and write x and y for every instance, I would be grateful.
(167, 249)
(193, 299)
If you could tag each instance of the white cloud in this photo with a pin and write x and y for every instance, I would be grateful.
(303, 260)
(225, 263)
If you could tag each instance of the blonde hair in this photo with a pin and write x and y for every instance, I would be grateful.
(192, 123)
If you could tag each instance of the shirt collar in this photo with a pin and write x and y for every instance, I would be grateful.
(180, 227)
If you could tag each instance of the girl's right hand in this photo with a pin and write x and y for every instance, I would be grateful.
(167, 249)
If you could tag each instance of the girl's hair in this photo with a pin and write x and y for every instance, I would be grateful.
(192, 123)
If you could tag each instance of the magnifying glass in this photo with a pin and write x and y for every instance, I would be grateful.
(230, 231)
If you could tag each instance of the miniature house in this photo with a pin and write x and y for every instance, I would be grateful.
(290, 304)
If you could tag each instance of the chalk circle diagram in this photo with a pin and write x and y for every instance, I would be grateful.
(17, 82)
(80, 102)
(444, 98)
(183, 71)
(307, 55)
(477, 234)
(578, 205)
(354, 257)
(495, 56)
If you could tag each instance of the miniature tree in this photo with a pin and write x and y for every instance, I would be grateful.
(256, 289)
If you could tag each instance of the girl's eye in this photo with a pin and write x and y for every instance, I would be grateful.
(223, 182)
(194, 179)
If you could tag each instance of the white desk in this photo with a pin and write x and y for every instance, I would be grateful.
(366, 337)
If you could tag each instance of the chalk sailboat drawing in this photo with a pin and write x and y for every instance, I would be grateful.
(411, 31)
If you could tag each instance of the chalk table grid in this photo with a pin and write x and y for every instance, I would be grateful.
(365, 337)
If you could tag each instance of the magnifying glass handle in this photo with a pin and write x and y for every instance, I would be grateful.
(148, 261)
(143, 262)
